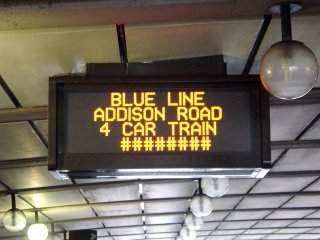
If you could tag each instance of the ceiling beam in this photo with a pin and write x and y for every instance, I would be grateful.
(23, 114)
(295, 144)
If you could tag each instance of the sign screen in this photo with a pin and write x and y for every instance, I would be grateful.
(101, 124)
(172, 120)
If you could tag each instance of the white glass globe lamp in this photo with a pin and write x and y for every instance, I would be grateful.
(215, 187)
(187, 234)
(193, 222)
(201, 205)
(38, 231)
(289, 70)
(14, 220)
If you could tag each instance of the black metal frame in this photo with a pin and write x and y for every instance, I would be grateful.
(259, 159)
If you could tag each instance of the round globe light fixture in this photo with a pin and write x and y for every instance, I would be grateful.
(187, 234)
(201, 205)
(14, 220)
(38, 231)
(215, 187)
(289, 69)
(193, 222)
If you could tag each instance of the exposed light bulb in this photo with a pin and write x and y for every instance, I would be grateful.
(193, 222)
(201, 205)
(215, 187)
(187, 234)
(14, 220)
(289, 70)
(38, 231)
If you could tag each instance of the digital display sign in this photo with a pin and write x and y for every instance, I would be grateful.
(115, 124)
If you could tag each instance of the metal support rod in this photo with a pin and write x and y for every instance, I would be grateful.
(286, 22)
(36, 215)
(122, 43)
(200, 188)
(13, 201)
(257, 44)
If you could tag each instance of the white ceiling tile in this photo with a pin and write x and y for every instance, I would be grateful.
(57, 51)
(199, 238)
(314, 187)
(307, 236)
(280, 236)
(292, 160)
(208, 39)
(126, 231)
(282, 184)
(275, 154)
(293, 230)
(216, 216)
(287, 121)
(5, 233)
(30, 177)
(51, 199)
(306, 223)
(129, 237)
(303, 201)
(68, 213)
(19, 142)
(225, 232)
(43, 127)
(31, 219)
(313, 132)
(231, 237)
(262, 202)
(111, 193)
(174, 218)
(167, 206)
(5, 101)
(169, 189)
(240, 186)
(164, 228)
(314, 215)
(118, 209)
(272, 223)
(260, 231)
(249, 237)
(161, 235)
(225, 203)
(289, 214)
(247, 215)
(237, 225)
(125, 221)
(6, 203)
(210, 226)
(316, 230)
(2, 187)
(79, 225)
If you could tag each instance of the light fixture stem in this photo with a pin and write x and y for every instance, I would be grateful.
(36, 216)
(13, 201)
(200, 188)
(286, 22)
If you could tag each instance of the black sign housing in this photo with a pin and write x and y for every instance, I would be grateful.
(83, 144)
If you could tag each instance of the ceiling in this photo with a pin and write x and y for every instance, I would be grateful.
(39, 39)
